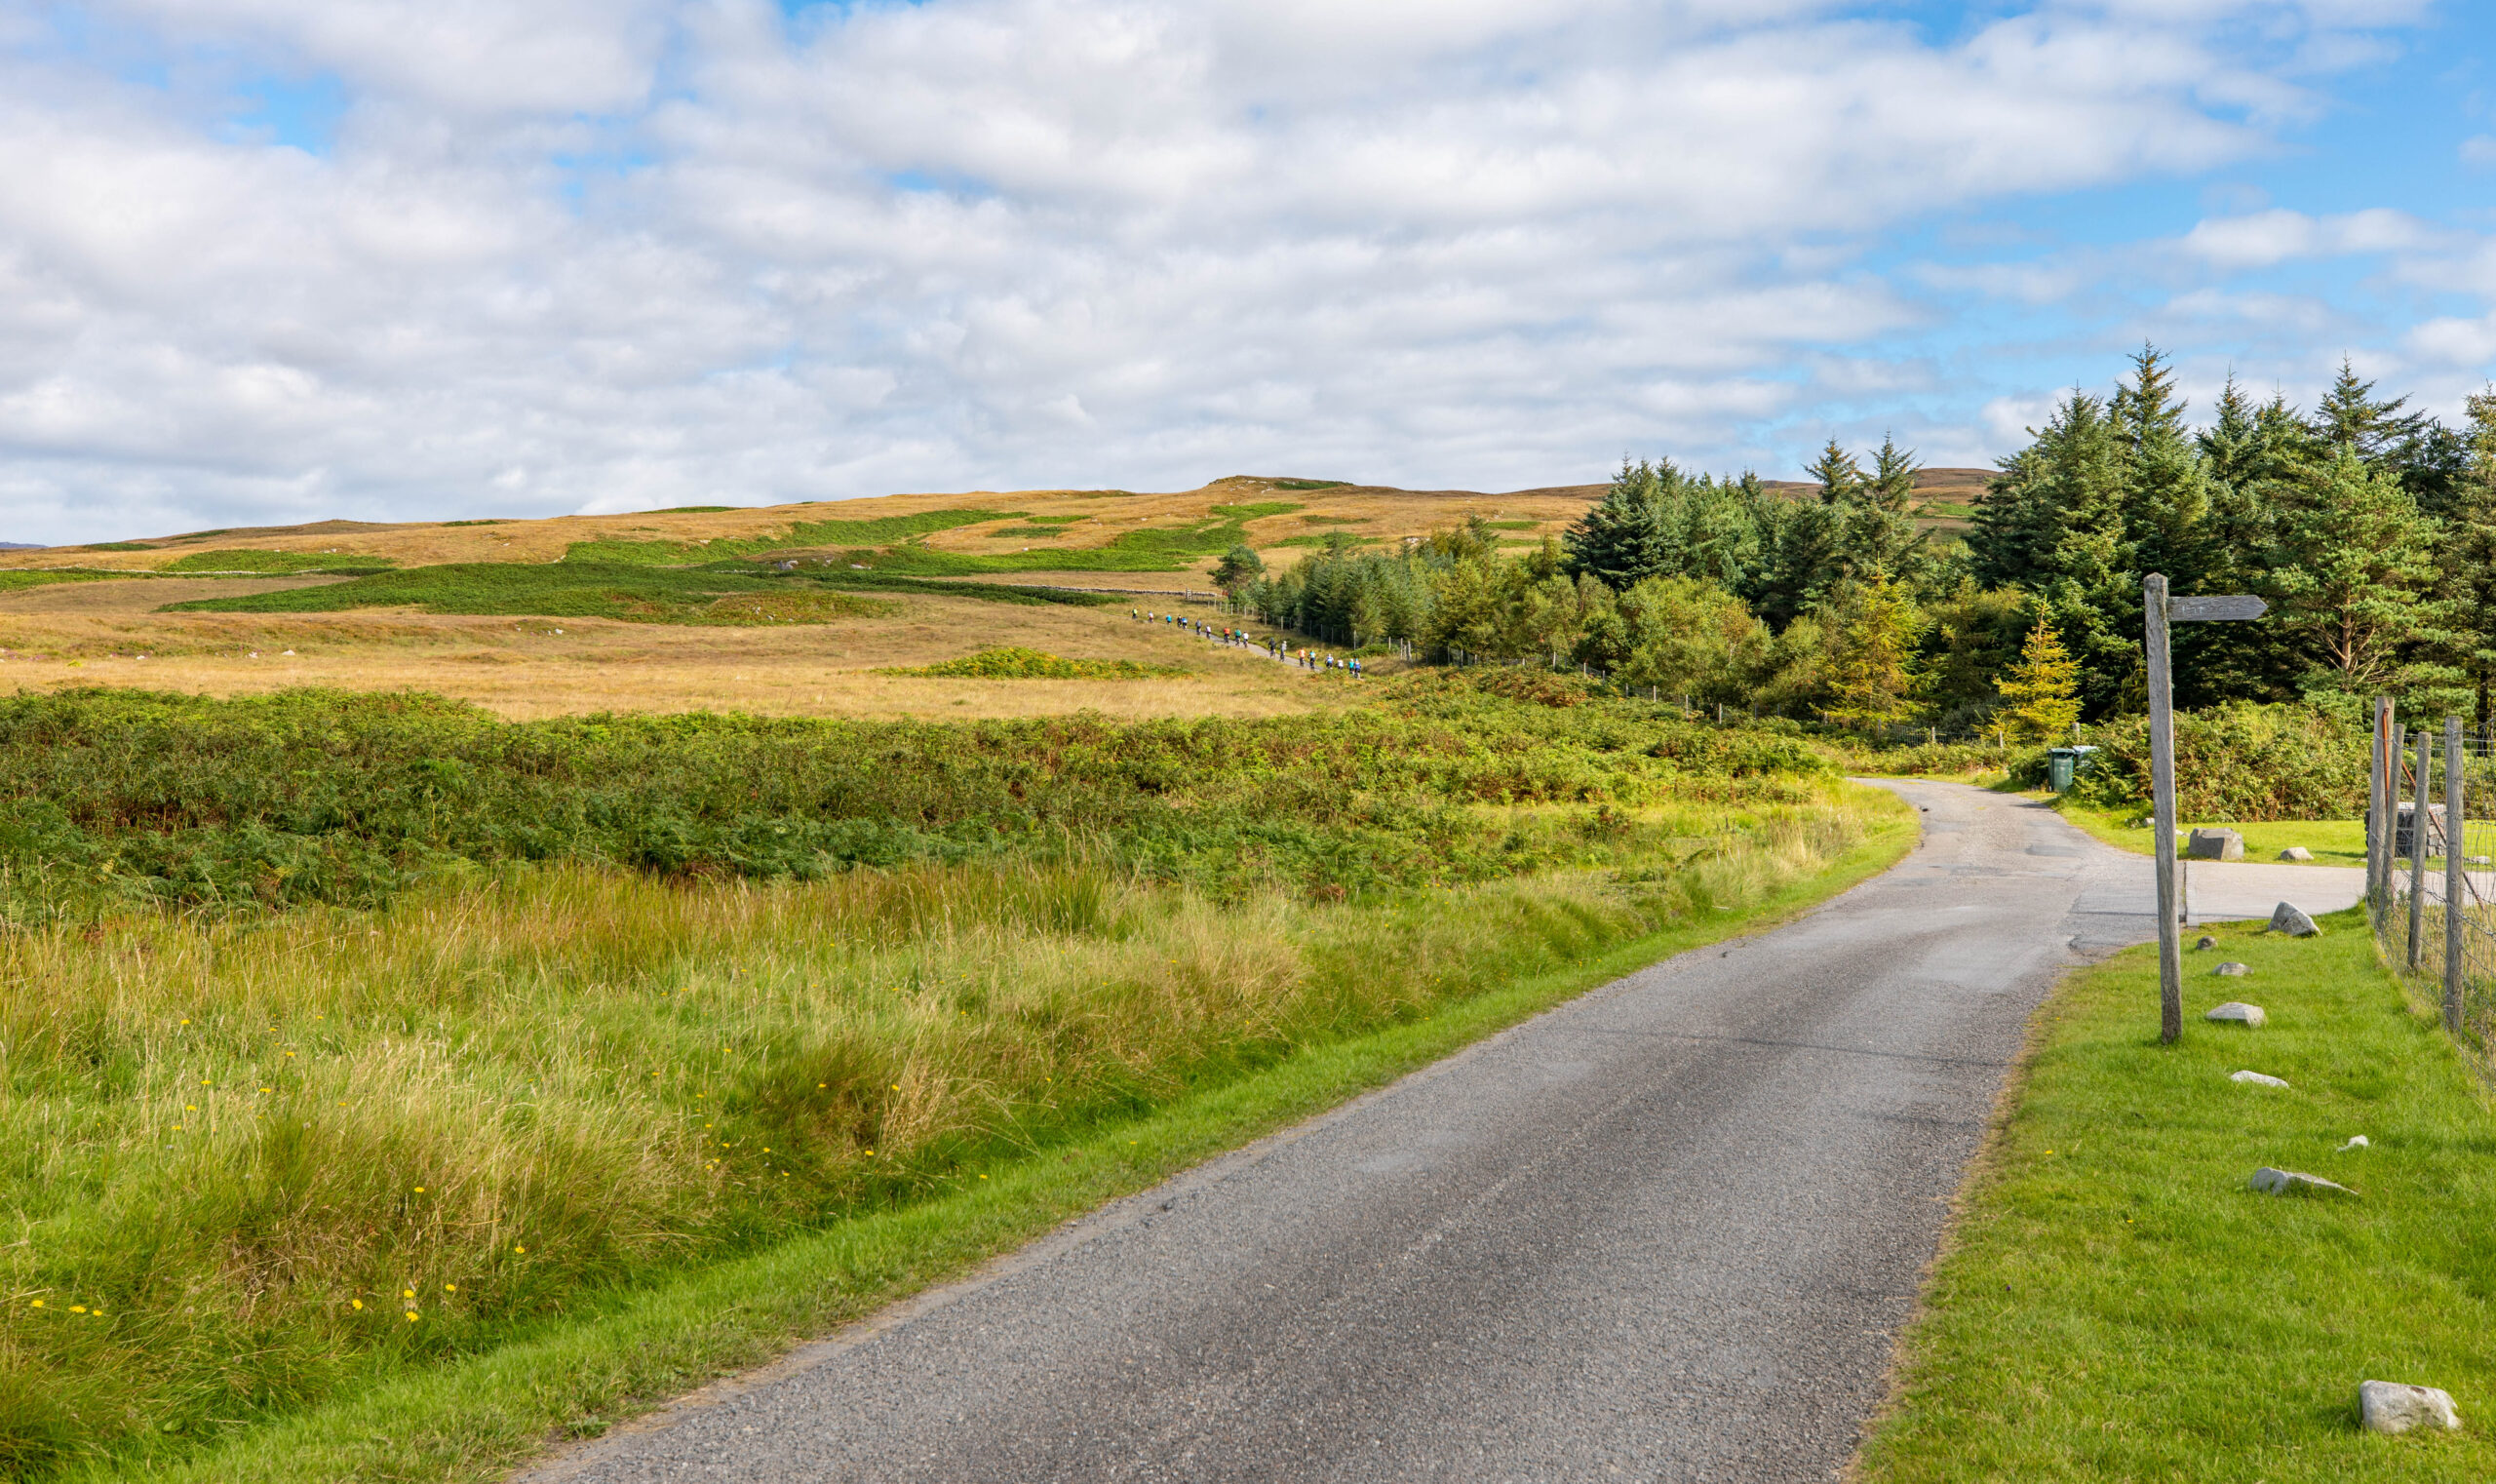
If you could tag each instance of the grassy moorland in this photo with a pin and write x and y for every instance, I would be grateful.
(2116, 1305)
(361, 1051)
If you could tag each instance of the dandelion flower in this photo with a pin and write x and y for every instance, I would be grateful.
(358, 1303)
(519, 1249)
(407, 1293)
(449, 1288)
(190, 1108)
(38, 1304)
(420, 1189)
(411, 1316)
(187, 1022)
(77, 1308)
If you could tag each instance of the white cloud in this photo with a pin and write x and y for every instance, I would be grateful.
(608, 253)
(2262, 239)
(2453, 341)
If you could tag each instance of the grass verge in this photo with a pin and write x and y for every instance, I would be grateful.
(2116, 1305)
(2334, 842)
(621, 1355)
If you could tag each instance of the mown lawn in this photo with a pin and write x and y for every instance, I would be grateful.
(2334, 842)
(2116, 1305)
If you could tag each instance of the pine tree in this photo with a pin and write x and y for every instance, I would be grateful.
(1839, 477)
(1239, 567)
(2167, 494)
(1873, 666)
(1891, 483)
(2041, 693)
(2467, 557)
(1625, 536)
(2351, 415)
(2356, 567)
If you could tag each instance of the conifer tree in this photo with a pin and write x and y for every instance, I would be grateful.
(1239, 567)
(2349, 415)
(1891, 483)
(2466, 555)
(2356, 567)
(1873, 665)
(1625, 536)
(1839, 477)
(2041, 693)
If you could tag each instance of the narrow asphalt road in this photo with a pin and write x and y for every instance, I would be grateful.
(1667, 1231)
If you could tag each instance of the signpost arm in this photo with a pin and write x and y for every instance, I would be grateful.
(2162, 754)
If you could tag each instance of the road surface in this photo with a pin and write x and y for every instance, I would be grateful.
(1667, 1231)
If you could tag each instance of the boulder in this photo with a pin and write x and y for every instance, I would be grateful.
(2271, 1181)
(2238, 1011)
(2231, 970)
(2286, 918)
(2205, 943)
(2296, 853)
(2388, 1406)
(2257, 1078)
(2215, 845)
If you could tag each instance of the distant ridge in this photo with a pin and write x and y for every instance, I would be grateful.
(21, 546)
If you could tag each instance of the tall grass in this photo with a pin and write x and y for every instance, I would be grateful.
(125, 798)
(244, 1150)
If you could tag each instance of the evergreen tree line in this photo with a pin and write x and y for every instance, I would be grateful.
(2370, 528)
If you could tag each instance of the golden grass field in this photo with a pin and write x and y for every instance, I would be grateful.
(1098, 517)
(108, 632)
(97, 633)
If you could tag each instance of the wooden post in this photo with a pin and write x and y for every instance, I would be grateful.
(2454, 881)
(2378, 824)
(2392, 816)
(2418, 836)
(2162, 763)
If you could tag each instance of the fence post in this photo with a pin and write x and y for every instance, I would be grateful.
(2374, 813)
(2418, 836)
(2454, 881)
(2393, 738)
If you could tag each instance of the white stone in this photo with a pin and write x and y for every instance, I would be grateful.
(2271, 1181)
(2237, 1010)
(2357, 1141)
(2259, 1079)
(2286, 918)
(2389, 1406)
(2296, 853)
(2231, 970)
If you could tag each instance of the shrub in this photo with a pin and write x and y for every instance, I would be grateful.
(2241, 762)
(1014, 662)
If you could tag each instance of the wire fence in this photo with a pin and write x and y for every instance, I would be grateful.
(2431, 871)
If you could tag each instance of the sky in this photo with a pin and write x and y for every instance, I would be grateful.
(264, 261)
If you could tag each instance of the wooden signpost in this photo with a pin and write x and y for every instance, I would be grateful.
(2157, 611)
